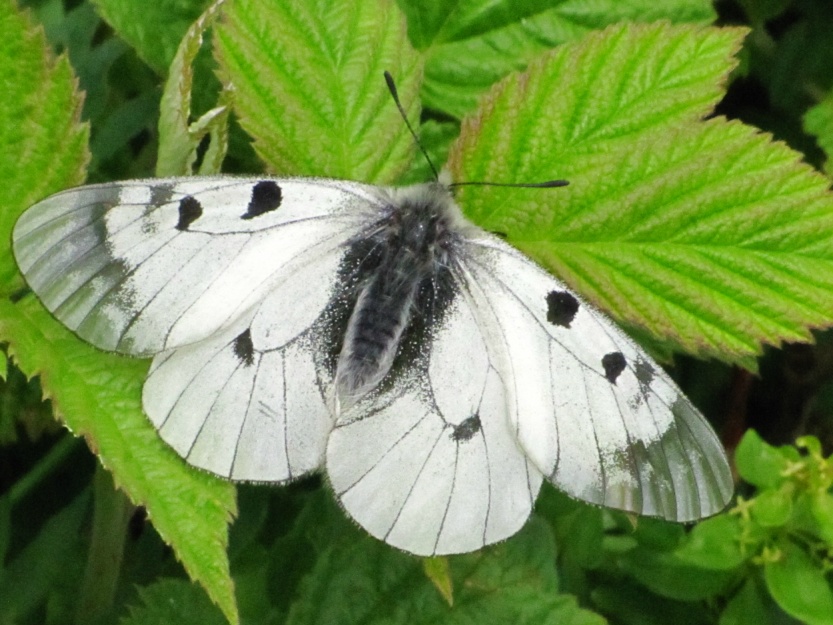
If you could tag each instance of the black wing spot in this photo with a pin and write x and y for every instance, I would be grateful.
(244, 349)
(466, 430)
(266, 196)
(189, 211)
(614, 363)
(562, 307)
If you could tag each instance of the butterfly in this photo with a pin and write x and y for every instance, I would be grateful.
(435, 373)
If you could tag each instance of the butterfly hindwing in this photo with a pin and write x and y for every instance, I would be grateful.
(231, 407)
(223, 280)
(247, 403)
(430, 463)
(595, 414)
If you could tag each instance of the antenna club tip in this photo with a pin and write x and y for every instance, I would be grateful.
(549, 184)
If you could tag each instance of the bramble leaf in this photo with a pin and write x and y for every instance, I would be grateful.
(707, 234)
(470, 45)
(308, 85)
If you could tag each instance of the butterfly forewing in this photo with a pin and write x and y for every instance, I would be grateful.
(223, 278)
(594, 413)
(144, 266)
(248, 403)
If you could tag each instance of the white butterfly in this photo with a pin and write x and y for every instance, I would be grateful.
(437, 374)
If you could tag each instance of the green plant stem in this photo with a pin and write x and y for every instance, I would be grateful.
(42, 469)
(111, 513)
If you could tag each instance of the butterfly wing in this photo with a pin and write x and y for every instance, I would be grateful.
(140, 267)
(429, 463)
(595, 414)
(247, 403)
(226, 280)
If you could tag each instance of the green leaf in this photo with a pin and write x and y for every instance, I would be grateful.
(308, 85)
(812, 514)
(749, 606)
(763, 10)
(602, 94)
(46, 145)
(706, 234)
(758, 463)
(802, 62)
(169, 601)
(436, 137)
(631, 604)
(54, 554)
(78, 31)
(799, 586)
(363, 580)
(773, 508)
(818, 121)
(578, 526)
(713, 544)
(675, 578)
(821, 507)
(470, 45)
(439, 572)
(178, 137)
(153, 29)
(124, 122)
(98, 396)
(656, 534)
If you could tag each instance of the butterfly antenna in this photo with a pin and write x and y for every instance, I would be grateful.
(395, 95)
(549, 184)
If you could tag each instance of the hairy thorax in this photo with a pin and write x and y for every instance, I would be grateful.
(408, 252)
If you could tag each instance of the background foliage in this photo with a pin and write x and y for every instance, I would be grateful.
(692, 228)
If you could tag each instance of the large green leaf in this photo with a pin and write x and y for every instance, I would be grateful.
(173, 601)
(798, 585)
(470, 44)
(154, 29)
(819, 122)
(704, 233)
(308, 87)
(357, 579)
(44, 144)
(749, 606)
(96, 395)
(34, 574)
